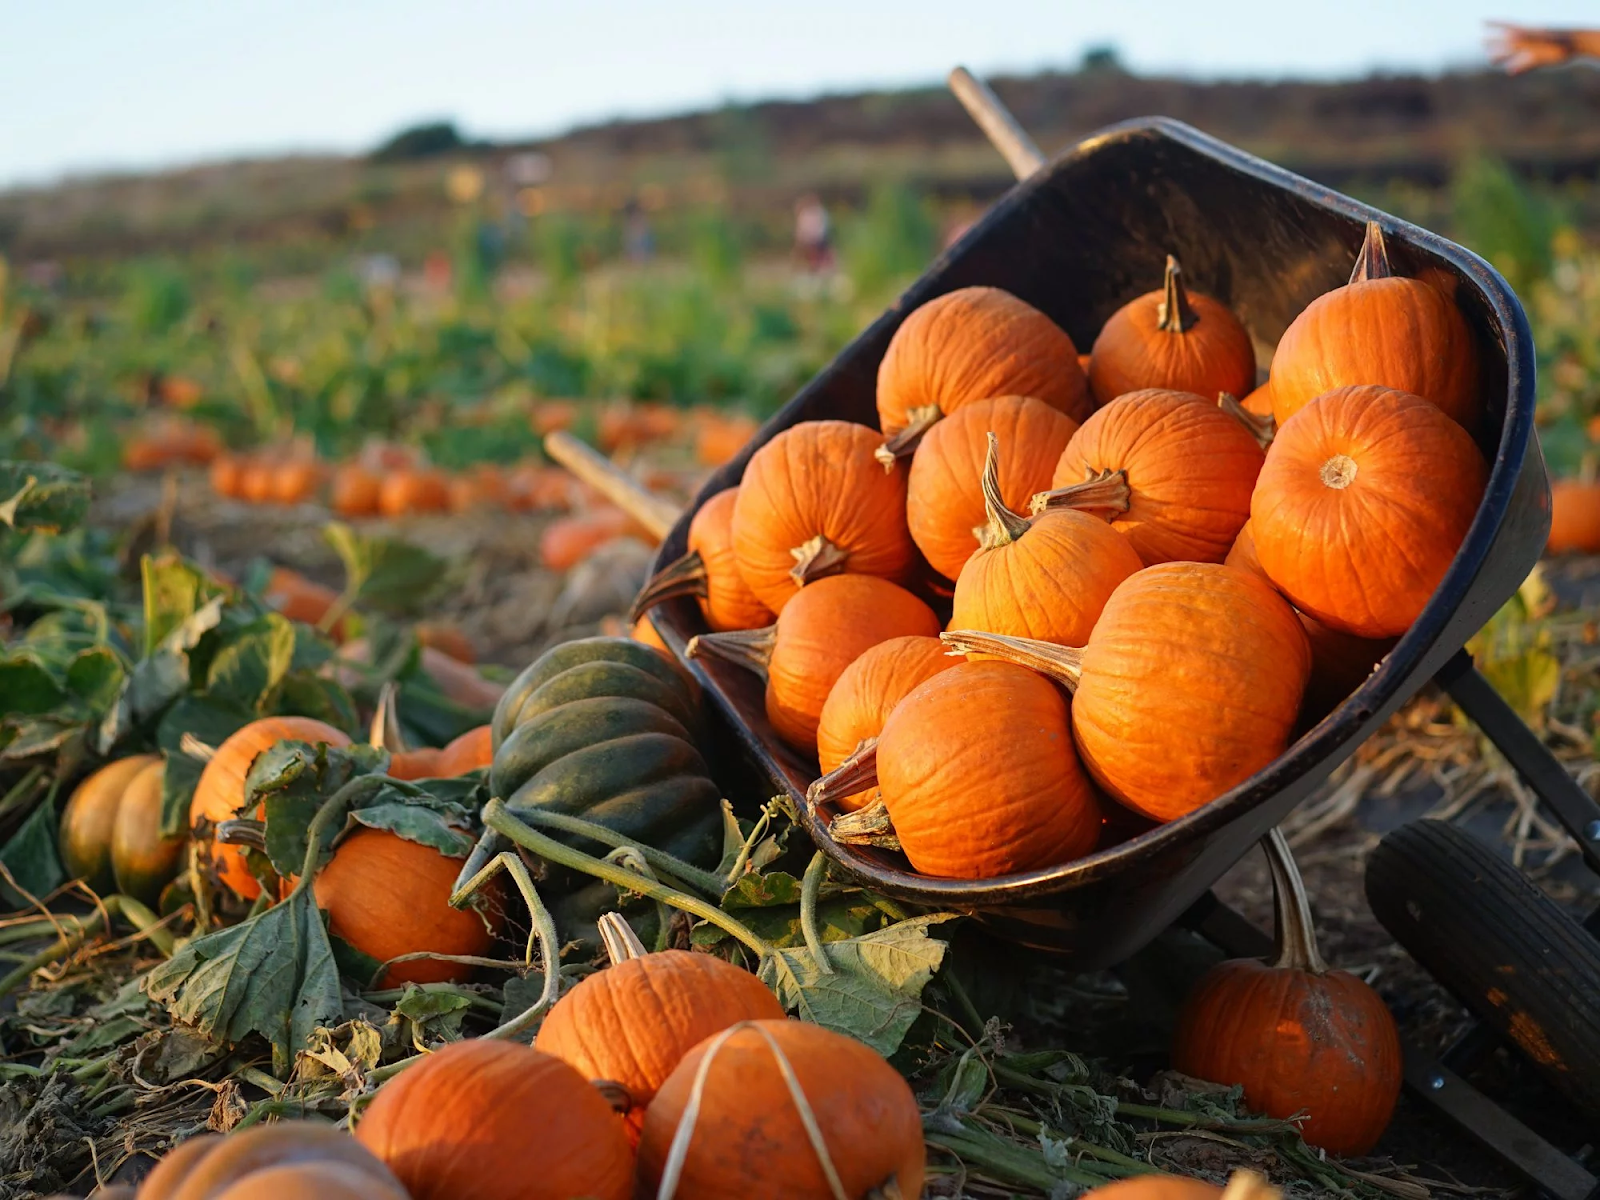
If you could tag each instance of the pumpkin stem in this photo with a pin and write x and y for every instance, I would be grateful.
(854, 774)
(242, 831)
(904, 442)
(816, 559)
(1297, 936)
(810, 891)
(1175, 314)
(1247, 1185)
(748, 648)
(1105, 492)
(868, 826)
(1338, 472)
(619, 939)
(1004, 525)
(385, 733)
(1063, 664)
(1262, 426)
(1373, 260)
(684, 577)
(618, 1097)
(193, 747)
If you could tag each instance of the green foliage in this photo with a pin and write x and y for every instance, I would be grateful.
(157, 297)
(1503, 220)
(892, 241)
(715, 251)
(41, 496)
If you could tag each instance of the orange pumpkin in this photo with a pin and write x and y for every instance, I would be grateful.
(447, 638)
(482, 485)
(709, 572)
(819, 633)
(1174, 471)
(1175, 339)
(1365, 498)
(1155, 712)
(944, 502)
(1047, 578)
(1383, 330)
(720, 437)
(968, 345)
(225, 473)
(567, 541)
(747, 1137)
(302, 599)
(422, 763)
(295, 481)
(644, 630)
(417, 490)
(459, 1124)
(864, 695)
(1242, 1185)
(220, 792)
(468, 752)
(355, 491)
(815, 502)
(255, 481)
(1259, 402)
(1574, 517)
(633, 1023)
(1297, 1036)
(303, 1159)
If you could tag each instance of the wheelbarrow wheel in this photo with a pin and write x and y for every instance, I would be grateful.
(1499, 944)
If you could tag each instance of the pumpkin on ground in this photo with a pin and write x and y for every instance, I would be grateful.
(1172, 338)
(413, 490)
(355, 491)
(1174, 471)
(968, 345)
(633, 1022)
(296, 480)
(304, 1159)
(944, 502)
(1574, 517)
(220, 792)
(1242, 1185)
(819, 633)
(225, 473)
(814, 502)
(111, 830)
(862, 698)
(1382, 330)
(746, 1135)
(1045, 578)
(469, 751)
(1363, 502)
(710, 572)
(567, 541)
(1155, 712)
(497, 1120)
(1297, 1036)
(301, 599)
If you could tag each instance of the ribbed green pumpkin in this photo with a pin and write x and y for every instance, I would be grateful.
(600, 728)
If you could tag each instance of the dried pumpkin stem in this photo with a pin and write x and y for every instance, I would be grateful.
(867, 826)
(685, 576)
(193, 747)
(854, 774)
(1064, 664)
(1247, 1185)
(1262, 426)
(748, 648)
(619, 939)
(810, 889)
(1297, 937)
(1004, 525)
(242, 831)
(817, 559)
(903, 443)
(1175, 314)
(385, 732)
(1373, 260)
(1105, 492)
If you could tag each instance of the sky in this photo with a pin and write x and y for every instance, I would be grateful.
(93, 85)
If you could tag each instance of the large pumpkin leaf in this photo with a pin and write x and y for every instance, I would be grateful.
(208, 721)
(250, 665)
(31, 857)
(42, 496)
(384, 573)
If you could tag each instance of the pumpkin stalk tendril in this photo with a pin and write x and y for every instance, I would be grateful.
(544, 930)
(683, 577)
(904, 443)
(748, 648)
(1373, 260)
(1175, 314)
(1339, 472)
(1004, 525)
(1061, 664)
(1296, 938)
(815, 559)
(619, 939)
(810, 889)
(1105, 492)
(1262, 426)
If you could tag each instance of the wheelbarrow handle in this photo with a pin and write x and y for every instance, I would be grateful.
(1021, 153)
(656, 515)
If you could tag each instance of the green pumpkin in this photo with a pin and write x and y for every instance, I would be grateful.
(601, 729)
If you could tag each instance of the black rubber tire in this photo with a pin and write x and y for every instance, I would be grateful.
(1499, 944)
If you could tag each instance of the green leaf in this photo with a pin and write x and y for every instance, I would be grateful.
(211, 722)
(25, 738)
(291, 780)
(421, 1013)
(41, 496)
(174, 591)
(838, 918)
(875, 991)
(273, 974)
(96, 676)
(160, 677)
(31, 857)
(29, 689)
(755, 890)
(303, 694)
(355, 965)
(384, 573)
(422, 823)
(250, 664)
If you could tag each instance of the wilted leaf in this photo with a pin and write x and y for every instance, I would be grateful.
(291, 780)
(420, 1013)
(41, 496)
(174, 591)
(755, 890)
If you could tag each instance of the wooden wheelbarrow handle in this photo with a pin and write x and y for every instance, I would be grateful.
(1011, 139)
(654, 514)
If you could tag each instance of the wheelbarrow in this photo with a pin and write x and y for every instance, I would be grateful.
(1077, 237)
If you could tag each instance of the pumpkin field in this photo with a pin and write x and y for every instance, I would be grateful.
(399, 800)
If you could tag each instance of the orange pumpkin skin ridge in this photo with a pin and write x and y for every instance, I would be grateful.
(1365, 558)
(211, 1166)
(467, 752)
(748, 1139)
(1156, 1187)
(977, 769)
(944, 502)
(819, 478)
(1191, 683)
(1191, 468)
(974, 343)
(633, 1022)
(1574, 517)
(728, 603)
(865, 694)
(1133, 352)
(1332, 1068)
(462, 1122)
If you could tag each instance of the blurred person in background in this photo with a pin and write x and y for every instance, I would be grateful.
(812, 234)
(1518, 49)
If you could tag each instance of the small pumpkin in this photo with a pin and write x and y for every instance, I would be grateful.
(1379, 329)
(1174, 472)
(720, 437)
(1574, 517)
(469, 751)
(142, 861)
(709, 572)
(355, 491)
(463, 1121)
(448, 638)
(301, 599)
(968, 345)
(744, 1134)
(1156, 713)
(633, 1023)
(819, 633)
(421, 763)
(295, 480)
(225, 473)
(814, 502)
(1363, 502)
(976, 769)
(289, 1158)
(1296, 1035)
(567, 541)
(255, 480)
(864, 695)
(644, 630)
(945, 508)
(413, 490)
(89, 821)
(1172, 338)
(1045, 578)
(1242, 1185)
(220, 792)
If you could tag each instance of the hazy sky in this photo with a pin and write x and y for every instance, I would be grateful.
(94, 84)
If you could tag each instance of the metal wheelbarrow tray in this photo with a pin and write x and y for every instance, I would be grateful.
(1078, 238)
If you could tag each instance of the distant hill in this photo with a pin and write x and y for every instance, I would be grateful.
(1370, 133)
